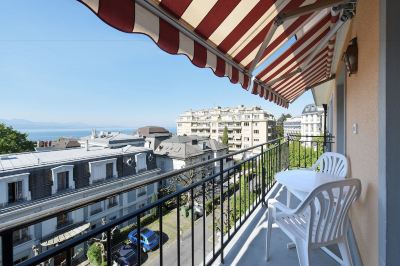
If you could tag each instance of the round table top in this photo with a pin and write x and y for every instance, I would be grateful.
(304, 180)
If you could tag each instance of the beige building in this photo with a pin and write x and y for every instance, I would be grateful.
(247, 126)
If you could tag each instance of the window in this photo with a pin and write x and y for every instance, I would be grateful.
(62, 181)
(20, 236)
(62, 220)
(256, 140)
(109, 170)
(256, 131)
(246, 124)
(15, 191)
(113, 201)
(246, 139)
(141, 191)
(95, 208)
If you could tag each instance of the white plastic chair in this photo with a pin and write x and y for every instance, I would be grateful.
(332, 163)
(320, 220)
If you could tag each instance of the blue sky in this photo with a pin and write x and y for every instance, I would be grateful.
(60, 63)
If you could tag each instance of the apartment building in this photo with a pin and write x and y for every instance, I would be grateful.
(312, 122)
(292, 126)
(31, 182)
(247, 126)
(181, 151)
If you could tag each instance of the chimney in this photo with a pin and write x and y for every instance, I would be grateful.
(87, 145)
(93, 136)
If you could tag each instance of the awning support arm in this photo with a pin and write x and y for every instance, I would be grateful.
(319, 47)
(156, 10)
(304, 10)
(264, 45)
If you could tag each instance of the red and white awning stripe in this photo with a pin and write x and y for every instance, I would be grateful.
(226, 35)
(280, 76)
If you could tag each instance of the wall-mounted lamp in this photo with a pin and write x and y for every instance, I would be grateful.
(350, 57)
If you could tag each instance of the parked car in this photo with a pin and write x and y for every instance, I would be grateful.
(126, 255)
(148, 239)
(198, 210)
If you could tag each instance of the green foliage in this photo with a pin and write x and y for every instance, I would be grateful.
(12, 141)
(304, 155)
(279, 124)
(94, 254)
(225, 136)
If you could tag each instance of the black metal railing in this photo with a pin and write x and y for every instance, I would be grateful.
(223, 202)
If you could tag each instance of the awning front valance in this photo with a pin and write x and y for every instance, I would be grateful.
(234, 37)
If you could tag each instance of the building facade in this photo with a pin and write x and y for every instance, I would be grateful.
(31, 182)
(247, 126)
(292, 126)
(181, 151)
(312, 122)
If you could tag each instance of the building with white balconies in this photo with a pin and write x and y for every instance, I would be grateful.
(292, 126)
(247, 126)
(312, 122)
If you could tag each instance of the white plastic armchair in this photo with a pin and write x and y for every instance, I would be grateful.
(320, 220)
(332, 163)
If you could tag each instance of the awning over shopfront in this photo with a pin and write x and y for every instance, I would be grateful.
(235, 38)
(65, 236)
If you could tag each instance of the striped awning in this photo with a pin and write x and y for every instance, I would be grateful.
(235, 38)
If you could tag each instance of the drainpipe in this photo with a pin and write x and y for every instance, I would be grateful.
(325, 106)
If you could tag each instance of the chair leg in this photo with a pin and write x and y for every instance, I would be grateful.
(303, 253)
(269, 229)
(345, 252)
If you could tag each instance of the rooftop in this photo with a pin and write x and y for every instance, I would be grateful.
(152, 131)
(111, 139)
(187, 146)
(312, 108)
(26, 160)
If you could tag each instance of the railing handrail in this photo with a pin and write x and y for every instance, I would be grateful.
(68, 207)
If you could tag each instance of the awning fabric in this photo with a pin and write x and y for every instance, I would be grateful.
(66, 235)
(226, 36)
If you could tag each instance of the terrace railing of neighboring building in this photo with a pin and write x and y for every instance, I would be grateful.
(228, 199)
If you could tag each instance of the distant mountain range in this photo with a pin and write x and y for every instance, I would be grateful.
(27, 124)
(23, 124)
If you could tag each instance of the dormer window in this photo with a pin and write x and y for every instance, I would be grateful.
(62, 181)
(62, 178)
(103, 169)
(14, 188)
(15, 192)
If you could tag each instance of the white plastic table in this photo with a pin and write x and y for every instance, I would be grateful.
(301, 182)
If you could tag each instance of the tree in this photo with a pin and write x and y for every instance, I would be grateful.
(94, 254)
(12, 141)
(279, 124)
(225, 136)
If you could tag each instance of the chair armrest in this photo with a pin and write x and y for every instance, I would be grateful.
(278, 205)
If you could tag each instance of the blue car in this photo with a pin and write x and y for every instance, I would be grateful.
(148, 239)
(126, 255)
